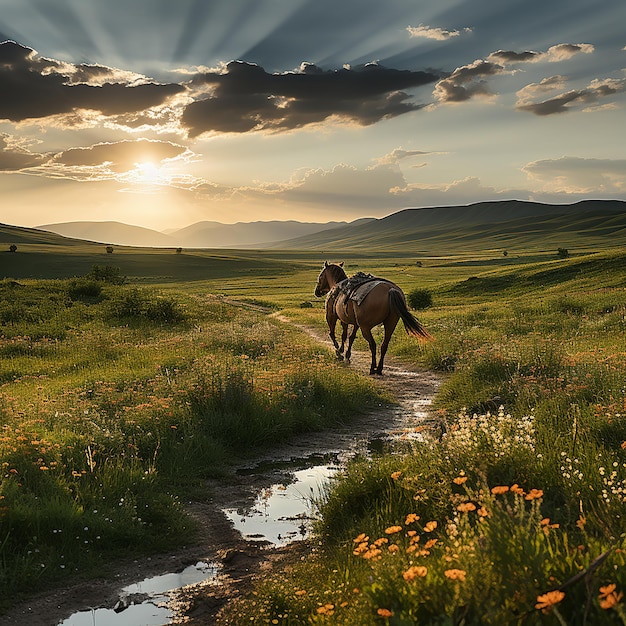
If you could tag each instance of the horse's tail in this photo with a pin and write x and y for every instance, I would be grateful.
(411, 323)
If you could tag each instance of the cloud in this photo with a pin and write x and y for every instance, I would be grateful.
(428, 32)
(566, 101)
(40, 87)
(467, 82)
(574, 175)
(14, 156)
(559, 52)
(397, 155)
(243, 97)
(119, 156)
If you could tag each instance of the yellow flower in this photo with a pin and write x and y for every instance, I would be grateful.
(455, 574)
(393, 529)
(499, 490)
(549, 599)
(396, 475)
(415, 571)
(465, 507)
(459, 480)
(534, 494)
(384, 612)
(430, 526)
(410, 518)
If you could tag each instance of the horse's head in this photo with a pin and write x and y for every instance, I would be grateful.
(330, 275)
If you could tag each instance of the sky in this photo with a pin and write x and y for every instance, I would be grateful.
(162, 114)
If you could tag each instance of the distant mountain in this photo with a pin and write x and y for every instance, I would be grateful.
(110, 232)
(248, 234)
(482, 225)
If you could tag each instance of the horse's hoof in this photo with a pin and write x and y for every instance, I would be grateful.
(339, 356)
(347, 359)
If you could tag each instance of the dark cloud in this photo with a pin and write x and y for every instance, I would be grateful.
(564, 102)
(14, 157)
(467, 81)
(36, 87)
(559, 52)
(244, 97)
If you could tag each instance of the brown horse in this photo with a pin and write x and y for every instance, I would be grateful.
(384, 303)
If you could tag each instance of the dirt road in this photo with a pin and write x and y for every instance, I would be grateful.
(218, 542)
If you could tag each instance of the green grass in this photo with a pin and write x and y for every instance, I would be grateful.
(117, 401)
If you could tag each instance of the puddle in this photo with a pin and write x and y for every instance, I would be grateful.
(144, 603)
(282, 512)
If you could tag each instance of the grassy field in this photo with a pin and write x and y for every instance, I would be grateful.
(515, 516)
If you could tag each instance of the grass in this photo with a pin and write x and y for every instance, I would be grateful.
(517, 515)
(116, 401)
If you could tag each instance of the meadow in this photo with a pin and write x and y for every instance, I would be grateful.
(512, 512)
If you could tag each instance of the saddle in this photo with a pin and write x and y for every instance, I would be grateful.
(356, 287)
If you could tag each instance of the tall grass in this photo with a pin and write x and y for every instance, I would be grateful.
(517, 515)
(115, 402)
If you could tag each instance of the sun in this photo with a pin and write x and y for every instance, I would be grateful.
(148, 173)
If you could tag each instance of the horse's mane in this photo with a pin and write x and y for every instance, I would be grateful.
(337, 272)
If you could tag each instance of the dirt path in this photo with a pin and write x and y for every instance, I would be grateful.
(217, 542)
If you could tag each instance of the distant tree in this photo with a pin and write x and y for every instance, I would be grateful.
(419, 298)
(109, 249)
(179, 250)
(505, 253)
(12, 248)
(562, 253)
(419, 263)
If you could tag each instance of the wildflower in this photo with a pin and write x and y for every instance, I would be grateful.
(623, 445)
(327, 609)
(430, 526)
(372, 554)
(581, 521)
(360, 549)
(609, 598)
(393, 548)
(455, 574)
(300, 592)
(483, 512)
(430, 543)
(517, 490)
(465, 507)
(459, 480)
(384, 612)
(549, 599)
(415, 571)
(410, 518)
(396, 475)
(534, 494)
(362, 537)
(499, 490)
(393, 529)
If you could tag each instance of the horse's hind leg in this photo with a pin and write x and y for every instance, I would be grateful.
(351, 341)
(367, 334)
(390, 325)
(344, 336)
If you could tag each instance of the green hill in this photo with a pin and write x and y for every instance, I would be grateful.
(486, 225)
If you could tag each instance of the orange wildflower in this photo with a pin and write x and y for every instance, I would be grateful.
(534, 494)
(609, 598)
(500, 489)
(623, 445)
(410, 518)
(466, 507)
(549, 599)
(415, 571)
(300, 592)
(393, 529)
(517, 490)
(430, 526)
(396, 475)
(360, 538)
(327, 609)
(459, 480)
(360, 549)
(384, 612)
(483, 512)
(393, 548)
(430, 543)
(455, 574)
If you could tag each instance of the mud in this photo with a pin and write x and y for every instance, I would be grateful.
(217, 542)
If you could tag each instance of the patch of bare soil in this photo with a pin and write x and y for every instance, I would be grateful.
(217, 542)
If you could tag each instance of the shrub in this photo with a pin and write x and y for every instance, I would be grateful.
(420, 299)
(84, 288)
(106, 274)
(562, 253)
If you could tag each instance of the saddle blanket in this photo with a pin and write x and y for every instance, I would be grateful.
(359, 293)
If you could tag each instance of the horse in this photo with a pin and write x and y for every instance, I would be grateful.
(385, 303)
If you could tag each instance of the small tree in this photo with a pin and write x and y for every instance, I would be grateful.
(179, 250)
(562, 253)
(109, 249)
(12, 248)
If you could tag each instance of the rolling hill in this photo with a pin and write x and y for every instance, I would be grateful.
(485, 225)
